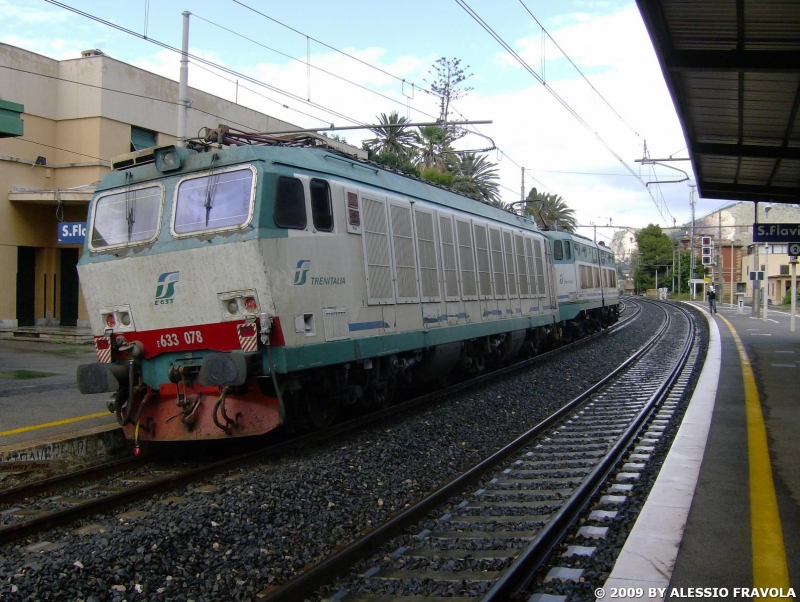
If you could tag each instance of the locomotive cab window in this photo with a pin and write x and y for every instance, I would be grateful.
(558, 250)
(218, 200)
(290, 204)
(567, 250)
(127, 217)
(321, 212)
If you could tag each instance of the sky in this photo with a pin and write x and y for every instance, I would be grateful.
(577, 124)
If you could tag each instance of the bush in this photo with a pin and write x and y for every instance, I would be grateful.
(787, 298)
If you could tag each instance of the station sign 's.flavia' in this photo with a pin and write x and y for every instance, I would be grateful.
(71, 233)
(776, 232)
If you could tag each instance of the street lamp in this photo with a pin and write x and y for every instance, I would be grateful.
(733, 262)
(766, 269)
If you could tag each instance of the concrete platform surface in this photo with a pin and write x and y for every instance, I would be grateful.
(716, 490)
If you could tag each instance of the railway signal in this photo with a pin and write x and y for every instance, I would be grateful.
(708, 250)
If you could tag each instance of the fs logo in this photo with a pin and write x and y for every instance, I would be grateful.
(561, 278)
(300, 273)
(166, 287)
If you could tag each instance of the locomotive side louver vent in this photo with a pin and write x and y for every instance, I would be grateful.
(426, 249)
(449, 258)
(466, 258)
(540, 281)
(376, 251)
(510, 268)
(335, 323)
(531, 267)
(524, 282)
(404, 259)
(484, 269)
(498, 270)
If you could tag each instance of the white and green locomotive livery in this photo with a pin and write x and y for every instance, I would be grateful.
(239, 289)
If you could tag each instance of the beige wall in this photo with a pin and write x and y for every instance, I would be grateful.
(77, 128)
(776, 281)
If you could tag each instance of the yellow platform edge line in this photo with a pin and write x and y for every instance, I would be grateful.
(36, 427)
(769, 555)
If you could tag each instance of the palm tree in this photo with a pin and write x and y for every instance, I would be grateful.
(475, 176)
(550, 210)
(433, 144)
(392, 137)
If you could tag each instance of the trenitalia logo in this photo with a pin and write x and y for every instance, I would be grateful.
(300, 272)
(166, 287)
(776, 232)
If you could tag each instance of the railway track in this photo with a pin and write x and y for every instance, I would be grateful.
(488, 544)
(64, 499)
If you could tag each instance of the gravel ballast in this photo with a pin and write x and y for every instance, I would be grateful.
(259, 526)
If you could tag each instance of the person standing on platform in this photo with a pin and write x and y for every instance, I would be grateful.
(712, 300)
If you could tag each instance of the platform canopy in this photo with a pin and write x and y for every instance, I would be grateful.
(733, 69)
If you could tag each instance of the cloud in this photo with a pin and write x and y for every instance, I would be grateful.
(533, 129)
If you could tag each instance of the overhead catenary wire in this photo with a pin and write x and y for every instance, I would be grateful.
(198, 60)
(586, 79)
(56, 148)
(143, 96)
(320, 69)
(499, 39)
(205, 61)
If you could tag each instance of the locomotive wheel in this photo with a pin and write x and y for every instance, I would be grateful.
(381, 396)
(321, 411)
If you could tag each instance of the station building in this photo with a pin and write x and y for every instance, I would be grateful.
(61, 122)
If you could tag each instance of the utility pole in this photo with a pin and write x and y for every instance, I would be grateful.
(793, 293)
(692, 260)
(756, 268)
(183, 86)
(721, 286)
(766, 269)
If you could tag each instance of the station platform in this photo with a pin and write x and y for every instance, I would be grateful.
(44, 416)
(724, 513)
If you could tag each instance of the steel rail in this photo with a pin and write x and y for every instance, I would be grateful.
(519, 575)
(99, 505)
(331, 567)
(11, 495)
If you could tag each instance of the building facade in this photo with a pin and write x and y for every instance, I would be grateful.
(76, 115)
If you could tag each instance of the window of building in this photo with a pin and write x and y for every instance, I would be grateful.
(290, 204)
(214, 201)
(142, 138)
(126, 217)
(321, 212)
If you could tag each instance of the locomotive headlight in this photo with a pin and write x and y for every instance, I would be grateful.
(236, 305)
(170, 160)
(117, 318)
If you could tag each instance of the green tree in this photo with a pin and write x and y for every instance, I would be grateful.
(475, 176)
(550, 210)
(447, 77)
(392, 137)
(655, 253)
(433, 147)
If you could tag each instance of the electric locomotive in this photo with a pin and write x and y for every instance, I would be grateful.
(586, 281)
(239, 289)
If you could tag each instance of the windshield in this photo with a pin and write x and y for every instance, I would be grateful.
(126, 217)
(221, 199)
